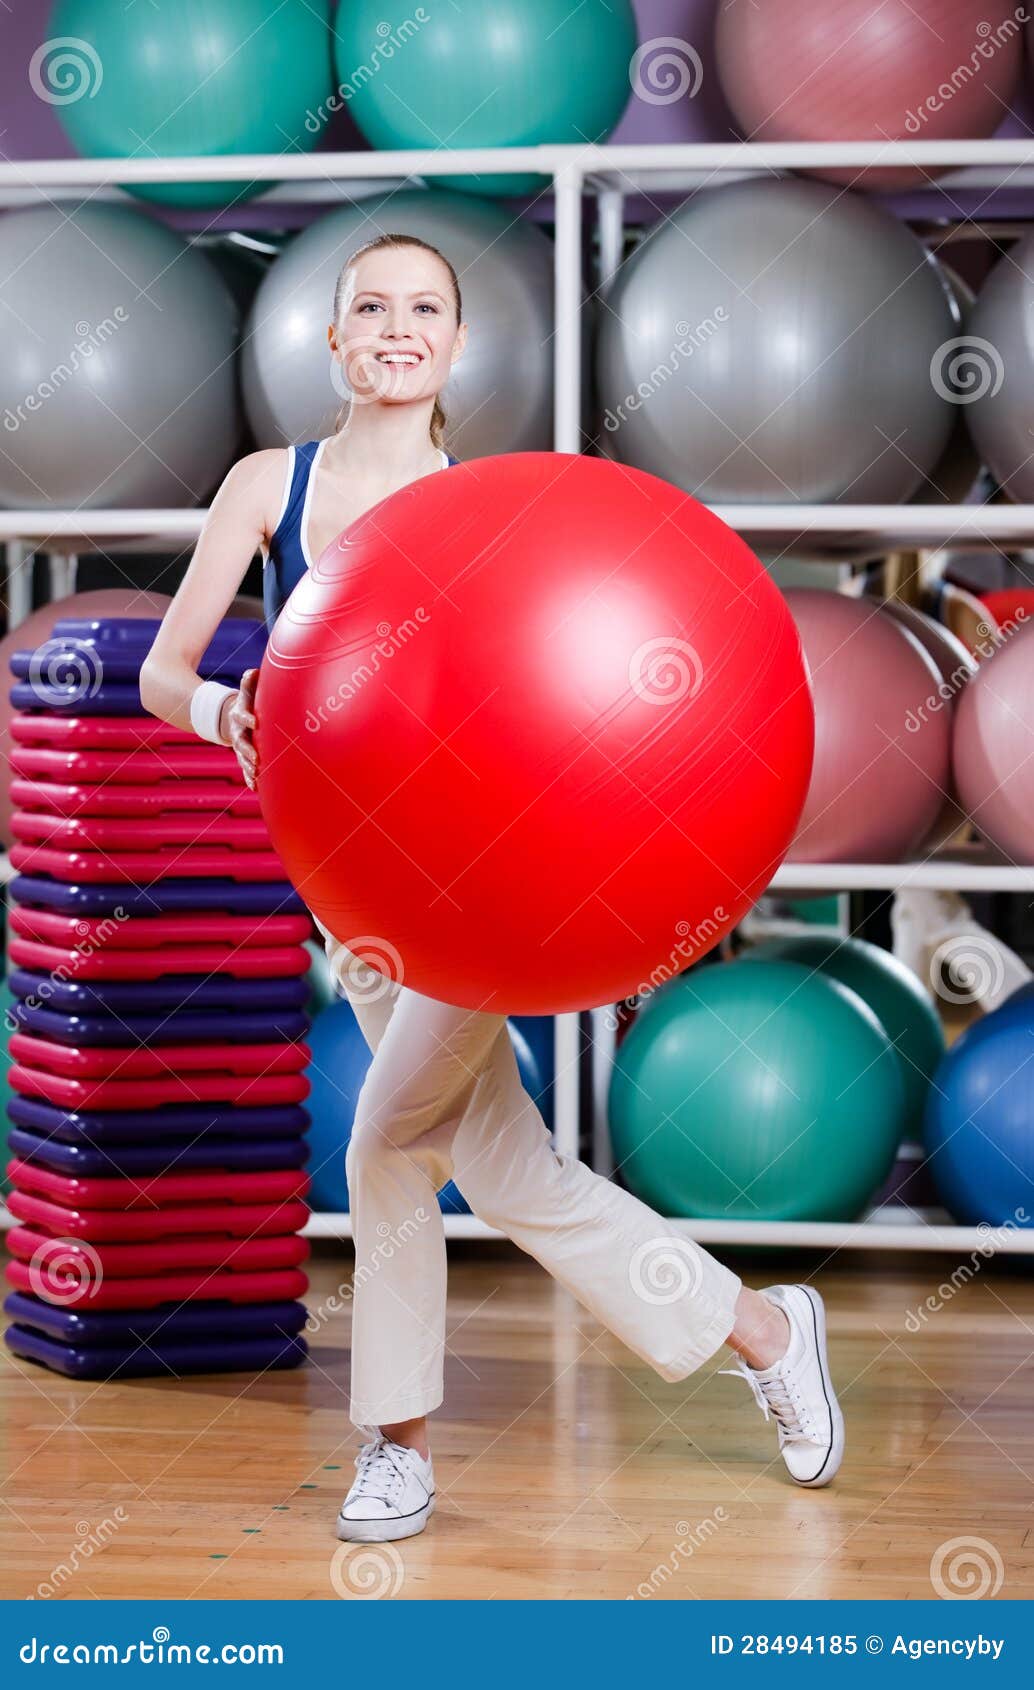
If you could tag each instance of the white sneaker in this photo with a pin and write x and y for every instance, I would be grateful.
(392, 1495)
(798, 1391)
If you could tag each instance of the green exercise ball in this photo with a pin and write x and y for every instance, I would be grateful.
(183, 77)
(756, 1091)
(896, 998)
(486, 73)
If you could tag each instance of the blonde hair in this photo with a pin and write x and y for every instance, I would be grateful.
(439, 420)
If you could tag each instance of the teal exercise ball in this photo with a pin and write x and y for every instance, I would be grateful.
(756, 1091)
(178, 78)
(509, 73)
(903, 1008)
(339, 1062)
(323, 989)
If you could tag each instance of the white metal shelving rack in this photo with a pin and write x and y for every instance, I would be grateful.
(607, 176)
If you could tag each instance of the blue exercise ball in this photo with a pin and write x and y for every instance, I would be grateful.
(537, 1032)
(980, 1120)
(340, 1060)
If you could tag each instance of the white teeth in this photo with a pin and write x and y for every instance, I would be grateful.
(404, 358)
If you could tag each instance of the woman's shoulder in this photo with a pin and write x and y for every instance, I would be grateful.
(257, 467)
(255, 484)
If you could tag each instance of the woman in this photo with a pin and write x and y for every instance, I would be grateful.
(443, 1096)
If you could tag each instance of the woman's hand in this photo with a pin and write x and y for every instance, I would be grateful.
(237, 726)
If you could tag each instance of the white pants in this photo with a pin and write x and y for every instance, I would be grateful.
(443, 1099)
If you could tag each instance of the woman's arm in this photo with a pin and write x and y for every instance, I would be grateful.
(237, 524)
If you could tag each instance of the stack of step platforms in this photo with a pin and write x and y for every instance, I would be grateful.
(157, 964)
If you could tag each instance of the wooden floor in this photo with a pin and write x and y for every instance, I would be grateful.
(565, 1468)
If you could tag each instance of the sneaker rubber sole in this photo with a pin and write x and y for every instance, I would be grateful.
(384, 1531)
(836, 1451)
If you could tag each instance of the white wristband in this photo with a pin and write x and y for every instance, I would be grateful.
(206, 704)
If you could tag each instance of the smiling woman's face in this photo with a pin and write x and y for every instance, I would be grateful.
(396, 335)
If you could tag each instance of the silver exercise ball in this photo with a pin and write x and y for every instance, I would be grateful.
(499, 397)
(998, 365)
(117, 379)
(773, 341)
(956, 472)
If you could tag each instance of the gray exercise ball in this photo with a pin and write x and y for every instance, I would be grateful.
(242, 260)
(956, 472)
(117, 378)
(499, 397)
(1000, 368)
(772, 341)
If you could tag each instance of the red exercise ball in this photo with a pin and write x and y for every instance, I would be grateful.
(1011, 607)
(882, 733)
(852, 70)
(532, 730)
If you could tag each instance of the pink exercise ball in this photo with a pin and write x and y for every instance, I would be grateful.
(882, 737)
(992, 748)
(37, 627)
(955, 662)
(955, 665)
(849, 70)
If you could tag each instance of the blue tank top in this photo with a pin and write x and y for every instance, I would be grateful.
(288, 557)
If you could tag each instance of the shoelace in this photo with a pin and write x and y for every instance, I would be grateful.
(378, 1469)
(780, 1396)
